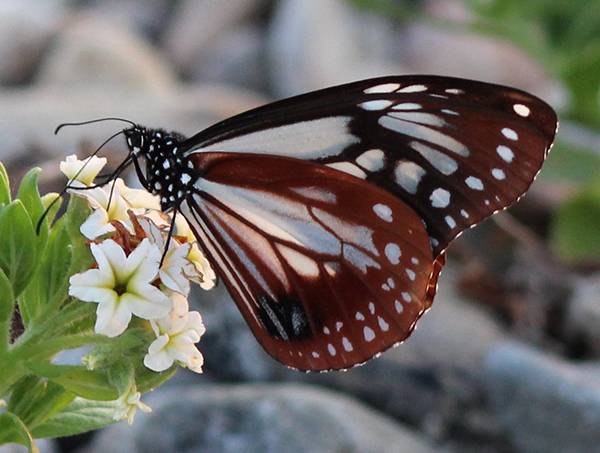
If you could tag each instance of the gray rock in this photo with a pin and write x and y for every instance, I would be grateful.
(583, 314)
(453, 334)
(25, 30)
(266, 418)
(236, 57)
(545, 404)
(317, 44)
(101, 53)
(198, 25)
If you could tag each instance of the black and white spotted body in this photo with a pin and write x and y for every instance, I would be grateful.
(168, 173)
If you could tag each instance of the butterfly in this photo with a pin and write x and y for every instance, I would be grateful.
(327, 215)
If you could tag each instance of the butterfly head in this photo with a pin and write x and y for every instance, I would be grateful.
(167, 173)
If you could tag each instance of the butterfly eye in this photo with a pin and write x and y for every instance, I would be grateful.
(328, 215)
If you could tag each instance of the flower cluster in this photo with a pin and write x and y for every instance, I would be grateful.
(137, 271)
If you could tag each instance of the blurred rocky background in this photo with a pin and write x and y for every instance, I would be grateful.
(506, 360)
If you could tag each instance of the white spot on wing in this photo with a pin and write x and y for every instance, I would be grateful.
(398, 305)
(383, 88)
(347, 345)
(393, 253)
(406, 297)
(419, 117)
(408, 175)
(505, 153)
(331, 349)
(383, 211)
(454, 91)
(299, 262)
(440, 161)
(424, 133)
(377, 104)
(359, 316)
(384, 326)
(413, 89)
(368, 333)
(372, 160)
(349, 168)
(411, 274)
(450, 221)
(440, 198)
(498, 174)
(522, 110)
(407, 106)
(509, 133)
(315, 193)
(474, 183)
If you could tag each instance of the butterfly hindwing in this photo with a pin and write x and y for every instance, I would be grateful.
(328, 270)
(454, 150)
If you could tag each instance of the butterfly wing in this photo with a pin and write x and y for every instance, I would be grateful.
(328, 270)
(454, 150)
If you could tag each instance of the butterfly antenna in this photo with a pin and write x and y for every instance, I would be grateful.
(98, 120)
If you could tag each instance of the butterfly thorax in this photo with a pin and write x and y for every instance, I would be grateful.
(169, 174)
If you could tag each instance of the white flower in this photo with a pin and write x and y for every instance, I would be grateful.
(176, 270)
(204, 274)
(121, 286)
(175, 338)
(127, 406)
(83, 171)
(108, 205)
(137, 198)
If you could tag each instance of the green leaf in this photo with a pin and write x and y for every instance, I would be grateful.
(50, 284)
(575, 234)
(18, 257)
(13, 429)
(7, 306)
(146, 379)
(78, 417)
(77, 379)
(77, 212)
(30, 197)
(4, 186)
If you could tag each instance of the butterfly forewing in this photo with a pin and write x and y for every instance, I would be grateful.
(328, 270)
(454, 150)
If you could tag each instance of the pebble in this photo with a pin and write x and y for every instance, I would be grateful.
(544, 403)
(258, 418)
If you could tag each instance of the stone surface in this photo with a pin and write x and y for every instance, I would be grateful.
(545, 404)
(26, 27)
(96, 52)
(269, 418)
(583, 314)
(198, 25)
(317, 44)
